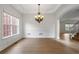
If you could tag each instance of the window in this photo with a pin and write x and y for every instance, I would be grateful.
(10, 25)
(68, 27)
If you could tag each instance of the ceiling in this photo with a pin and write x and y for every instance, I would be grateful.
(68, 13)
(33, 8)
(74, 13)
(69, 21)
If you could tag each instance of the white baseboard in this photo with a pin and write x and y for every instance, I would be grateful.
(40, 37)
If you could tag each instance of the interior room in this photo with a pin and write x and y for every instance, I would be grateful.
(39, 28)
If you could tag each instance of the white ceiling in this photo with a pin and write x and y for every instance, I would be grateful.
(33, 8)
(69, 13)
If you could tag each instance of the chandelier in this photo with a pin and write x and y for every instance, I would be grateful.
(39, 17)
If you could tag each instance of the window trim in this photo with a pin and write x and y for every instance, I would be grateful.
(68, 26)
(18, 29)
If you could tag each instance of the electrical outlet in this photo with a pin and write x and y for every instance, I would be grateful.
(28, 33)
(40, 33)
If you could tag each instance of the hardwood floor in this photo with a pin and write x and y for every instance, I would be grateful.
(39, 46)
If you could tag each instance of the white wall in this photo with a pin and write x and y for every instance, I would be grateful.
(58, 29)
(62, 27)
(8, 41)
(47, 27)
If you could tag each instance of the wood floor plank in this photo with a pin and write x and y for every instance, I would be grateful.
(39, 46)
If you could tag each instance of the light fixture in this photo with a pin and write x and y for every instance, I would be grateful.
(39, 17)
